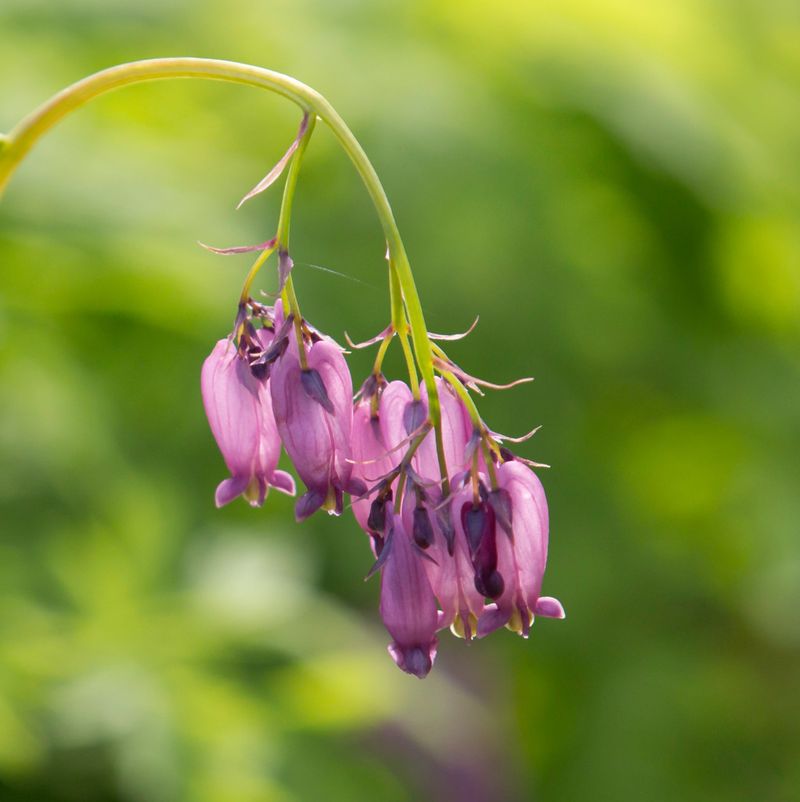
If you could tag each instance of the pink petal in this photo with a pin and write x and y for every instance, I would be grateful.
(548, 607)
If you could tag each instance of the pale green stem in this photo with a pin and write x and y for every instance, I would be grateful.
(291, 304)
(415, 444)
(475, 417)
(382, 349)
(442, 461)
(285, 217)
(248, 282)
(15, 146)
(487, 455)
(464, 395)
(400, 324)
(288, 294)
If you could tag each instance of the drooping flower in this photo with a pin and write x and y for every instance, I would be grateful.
(402, 415)
(449, 569)
(521, 551)
(408, 606)
(431, 519)
(314, 414)
(372, 460)
(239, 412)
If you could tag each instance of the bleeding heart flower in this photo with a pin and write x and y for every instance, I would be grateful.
(239, 411)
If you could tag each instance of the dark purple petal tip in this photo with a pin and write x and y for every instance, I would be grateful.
(308, 504)
(423, 529)
(490, 584)
(315, 388)
(376, 520)
(416, 660)
(500, 501)
(414, 416)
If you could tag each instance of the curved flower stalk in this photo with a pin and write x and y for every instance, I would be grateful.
(458, 524)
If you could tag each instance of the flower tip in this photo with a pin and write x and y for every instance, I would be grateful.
(308, 504)
(356, 488)
(314, 388)
(229, 489)
(414, 660)
(548, 607)
(284, 482)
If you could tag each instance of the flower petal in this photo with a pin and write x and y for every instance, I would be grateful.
(548, 607)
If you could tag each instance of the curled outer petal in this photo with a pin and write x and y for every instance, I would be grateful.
(408, 606)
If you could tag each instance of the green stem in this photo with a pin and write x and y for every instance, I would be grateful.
(292, 305)
(285, 217)
(248, 282)
(400, 325)
(464, 395)
(290, 302)
(15, 146)
(382, 349)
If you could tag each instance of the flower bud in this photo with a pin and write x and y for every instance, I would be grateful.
(521, 556)
(408, 606)
(401, 416)
(371, 461)
(239, 412)
(449, 569)
(313, 412)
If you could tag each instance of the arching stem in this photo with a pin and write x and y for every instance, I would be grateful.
(15, 146)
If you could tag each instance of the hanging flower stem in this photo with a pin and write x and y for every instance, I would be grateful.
(253, 272)
(15, 145)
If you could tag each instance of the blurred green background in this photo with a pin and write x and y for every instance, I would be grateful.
(614, 186)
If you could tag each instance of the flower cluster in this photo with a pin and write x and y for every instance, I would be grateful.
(457, 523)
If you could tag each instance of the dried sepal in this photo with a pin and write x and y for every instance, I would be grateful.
(279, 167)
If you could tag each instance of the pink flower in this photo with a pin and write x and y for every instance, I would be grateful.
(371, 457)
(239, 412)
(408, 606)
(450, 570)
(521, 544)
(314, 415)
(401, 415)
